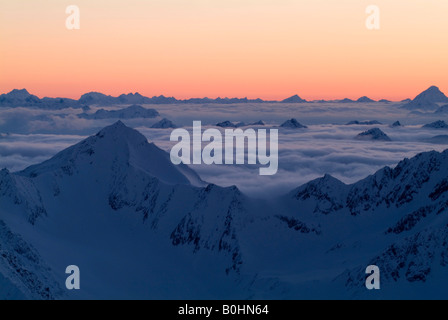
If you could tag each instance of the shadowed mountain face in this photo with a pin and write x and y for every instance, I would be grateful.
(140, 227)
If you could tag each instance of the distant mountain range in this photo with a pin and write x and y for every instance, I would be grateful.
(22, 98)
(131, 112)
(429, 100)
(141, 228)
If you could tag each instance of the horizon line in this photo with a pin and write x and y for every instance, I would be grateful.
(207, 97)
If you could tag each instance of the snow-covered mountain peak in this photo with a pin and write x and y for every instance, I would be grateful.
(325, 195)
(164, 124)
(19, 93)
(293, 123)
(18, 97)
(365, 99)
(294, 99)
(434, 94)
(120, 132)
(427, 100)
(440, 124)
(319, 186)
(373, 134)
(116, 149)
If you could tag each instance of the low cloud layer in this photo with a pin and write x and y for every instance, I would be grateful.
(327, 146)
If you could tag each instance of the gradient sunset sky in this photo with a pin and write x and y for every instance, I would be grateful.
(270, 49)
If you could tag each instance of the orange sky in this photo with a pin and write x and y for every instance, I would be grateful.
(194, 48)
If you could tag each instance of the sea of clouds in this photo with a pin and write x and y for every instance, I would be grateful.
(30, 136)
